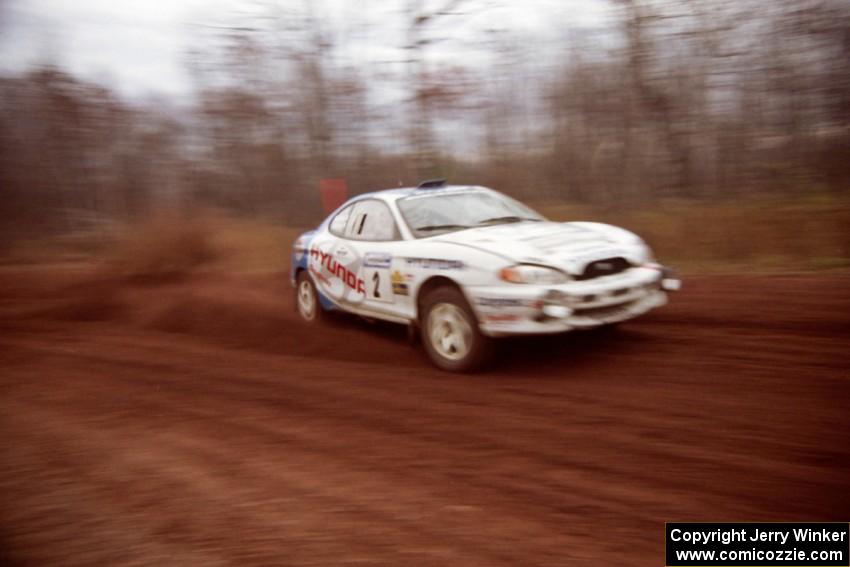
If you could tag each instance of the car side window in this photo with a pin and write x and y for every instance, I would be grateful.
(371, 220)
(338, 223)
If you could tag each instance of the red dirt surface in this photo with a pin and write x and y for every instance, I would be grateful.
(199, 422)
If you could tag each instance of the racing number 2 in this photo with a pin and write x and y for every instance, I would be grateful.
(376, 279)
(378, 286)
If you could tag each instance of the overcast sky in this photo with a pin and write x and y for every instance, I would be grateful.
(139, 47)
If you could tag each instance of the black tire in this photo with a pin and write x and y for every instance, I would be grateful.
(608, 330)
(307, 299)
(462, 348)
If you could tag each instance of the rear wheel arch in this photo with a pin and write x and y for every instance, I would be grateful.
(297, 274)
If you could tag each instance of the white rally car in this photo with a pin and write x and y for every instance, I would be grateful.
(465, 264)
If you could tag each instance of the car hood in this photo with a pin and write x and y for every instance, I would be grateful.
(568, 246)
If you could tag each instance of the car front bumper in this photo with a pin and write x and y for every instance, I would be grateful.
(521, 309)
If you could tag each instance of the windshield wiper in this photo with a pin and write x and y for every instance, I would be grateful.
(509, 218)
(440, 227)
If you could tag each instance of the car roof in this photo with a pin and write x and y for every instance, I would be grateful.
(401, 192)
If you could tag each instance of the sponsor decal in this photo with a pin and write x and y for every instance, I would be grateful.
(434, 264)
(501, 318)
(377, 260)
(335, 268)
(399, 287)
(500, 302)
(342, 254)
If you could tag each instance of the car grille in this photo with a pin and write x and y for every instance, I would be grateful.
(605, 267)
(603, 312)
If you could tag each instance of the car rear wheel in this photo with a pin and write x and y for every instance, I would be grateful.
(450, 332)
(307, 299)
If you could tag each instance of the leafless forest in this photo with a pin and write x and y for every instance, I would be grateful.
(703, 100)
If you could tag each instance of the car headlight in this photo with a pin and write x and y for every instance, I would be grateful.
(531, 274)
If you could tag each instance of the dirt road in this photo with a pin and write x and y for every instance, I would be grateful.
(199, 423)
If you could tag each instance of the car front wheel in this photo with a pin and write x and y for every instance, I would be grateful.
(450, 332)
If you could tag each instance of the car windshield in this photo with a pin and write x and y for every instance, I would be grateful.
(428, 215)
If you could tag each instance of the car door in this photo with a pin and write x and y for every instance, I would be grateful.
(330, 263)
(356, 262)
(373, 235)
